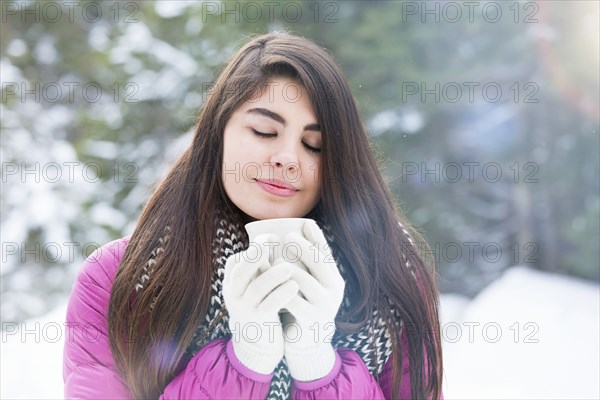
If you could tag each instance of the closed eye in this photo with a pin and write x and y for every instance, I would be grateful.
(263, 134)
(268, 135)
(312, 149)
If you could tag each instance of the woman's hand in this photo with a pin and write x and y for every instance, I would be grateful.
(253, 300)
(309, 324)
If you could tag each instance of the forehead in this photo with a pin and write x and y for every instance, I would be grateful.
(282, 95)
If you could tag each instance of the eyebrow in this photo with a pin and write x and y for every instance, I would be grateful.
(278, 118)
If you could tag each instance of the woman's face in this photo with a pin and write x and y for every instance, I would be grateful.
(271, 153)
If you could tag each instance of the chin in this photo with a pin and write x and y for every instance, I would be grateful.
(271, 214)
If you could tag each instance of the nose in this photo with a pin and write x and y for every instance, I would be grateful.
(285, 157)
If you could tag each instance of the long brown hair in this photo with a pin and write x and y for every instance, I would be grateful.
(151, 330)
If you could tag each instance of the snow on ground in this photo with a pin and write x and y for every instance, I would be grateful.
(31, 361)
(534, 335)
(529, 335)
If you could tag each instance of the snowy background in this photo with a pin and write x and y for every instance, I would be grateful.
(518, 254)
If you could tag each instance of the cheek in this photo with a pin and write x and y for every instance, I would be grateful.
(233, 145)
(230, 161)
(312, 177)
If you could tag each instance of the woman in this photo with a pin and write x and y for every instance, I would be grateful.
(165, 313)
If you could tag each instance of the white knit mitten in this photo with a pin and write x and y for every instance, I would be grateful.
(309, 326)
(253, 300)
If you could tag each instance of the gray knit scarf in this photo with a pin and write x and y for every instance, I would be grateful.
(372, 343)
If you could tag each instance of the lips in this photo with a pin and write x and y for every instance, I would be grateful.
(277, 187)
(277, 183)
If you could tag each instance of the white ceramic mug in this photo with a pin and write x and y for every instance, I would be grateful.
(279, 227)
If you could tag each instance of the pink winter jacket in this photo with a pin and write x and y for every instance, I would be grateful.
(213, 373)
